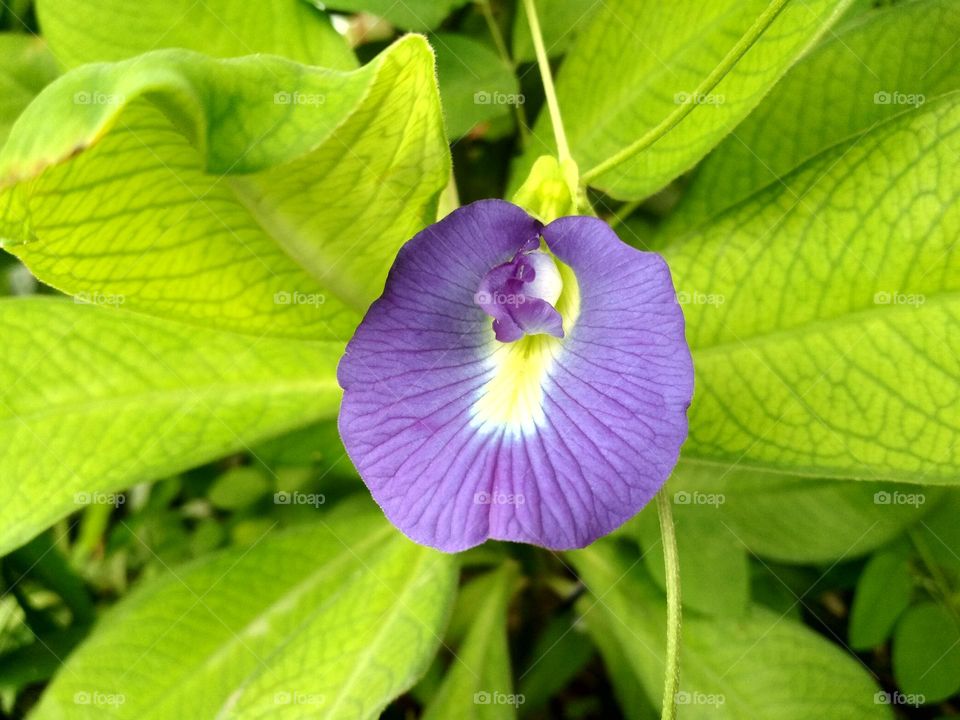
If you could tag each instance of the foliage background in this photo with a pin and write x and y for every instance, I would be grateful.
(182, 533)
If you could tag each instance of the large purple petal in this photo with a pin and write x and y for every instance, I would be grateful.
(602, 431)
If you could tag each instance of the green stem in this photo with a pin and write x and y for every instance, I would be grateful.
(563, 149)
(736, 53)
(939, 578)
(623, 213)
(671, 562)
(505, 56)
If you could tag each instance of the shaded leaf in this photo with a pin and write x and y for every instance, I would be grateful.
(760, 666)
(332, 620)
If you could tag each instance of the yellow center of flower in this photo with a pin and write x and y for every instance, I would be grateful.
(512, 399)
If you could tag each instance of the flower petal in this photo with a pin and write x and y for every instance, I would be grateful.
(461, 438)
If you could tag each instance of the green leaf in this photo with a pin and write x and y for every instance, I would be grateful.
(649, 88)
(478, 685)
(760, 666)
(821, 313)
(714, 568)
(328, 621)
(253, 195)
(476, 84)
(630, 694)
(561, 652)
(85, 32)
(238, 488)
(26, 67)
(560, 22)
(93, 401)
(409, 14)
(926, 652)
(796, 519)
(883, 593)
(869, 71)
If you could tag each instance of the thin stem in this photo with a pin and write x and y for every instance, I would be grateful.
(671, 562)
(940, 581)
(563, 149)
(498, 40)
(623, 213)
(736, 53)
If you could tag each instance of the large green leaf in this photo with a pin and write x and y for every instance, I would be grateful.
(407, 14)
(822, 313)
(26, 66)
(82, 32)
(329, 621)
(926, 653)
(560, 22)
(476, 84)
(254, 195)
(93, 400)
(884, 591)
(796, 519)
(715, 577)
(869, 71)
(650, 87)
(478, 685)
(761, 666)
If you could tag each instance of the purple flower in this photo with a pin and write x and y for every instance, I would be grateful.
(554, 422)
